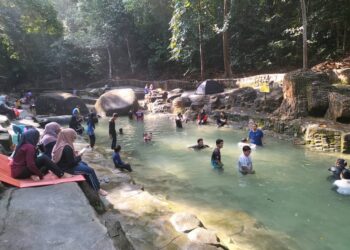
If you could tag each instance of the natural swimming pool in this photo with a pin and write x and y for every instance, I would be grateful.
(289, 193)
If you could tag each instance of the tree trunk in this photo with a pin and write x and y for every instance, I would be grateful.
(337, 28)
(109, 63)
(129, 54)
(344, 37)
(225, 44)
(303, 14)
(201, 51)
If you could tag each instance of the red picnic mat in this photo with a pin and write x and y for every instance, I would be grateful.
(49, 179)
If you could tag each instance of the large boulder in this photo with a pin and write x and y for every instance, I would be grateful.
(181, 102)
(43, 120)
(269, 102)
(59, 103)
(243, 97)
(339, 107)
(317, 98)
(300, 94)
(119, 101)
(184, 222)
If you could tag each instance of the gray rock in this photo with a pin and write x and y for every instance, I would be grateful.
(339, 107)
(116, 101)
(272, 101)
(243, 97)
(184, 222)
(59, 103)
(62, 119)
(176, 91)
(299, 94)
(196, 246)
(202, 235)
(51, 217)
(4, 121)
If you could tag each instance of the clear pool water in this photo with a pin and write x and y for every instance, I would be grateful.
(289, 193)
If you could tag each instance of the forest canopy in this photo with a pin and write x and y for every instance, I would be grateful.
(85, 40)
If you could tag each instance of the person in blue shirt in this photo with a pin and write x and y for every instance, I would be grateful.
(118, 163)
(256, 135)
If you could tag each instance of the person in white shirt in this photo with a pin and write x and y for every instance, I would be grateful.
(245, 164)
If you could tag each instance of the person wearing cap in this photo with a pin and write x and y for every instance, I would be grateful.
(336, 170)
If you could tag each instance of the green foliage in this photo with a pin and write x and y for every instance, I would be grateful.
(71, 40)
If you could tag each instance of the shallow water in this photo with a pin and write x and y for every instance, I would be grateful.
(289, 193)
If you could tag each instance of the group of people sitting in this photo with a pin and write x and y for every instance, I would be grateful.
(34, 157)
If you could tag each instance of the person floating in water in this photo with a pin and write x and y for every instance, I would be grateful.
(245, 164)
(256, 135)
(216, 156)
(178, 120)
(200, 145)
(336, 170)
(118, 163)
(139, 115)
(112, 131)
(221, 120)
(147, 137)
(202, 117)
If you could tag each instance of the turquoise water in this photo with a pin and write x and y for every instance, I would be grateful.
(289, 193)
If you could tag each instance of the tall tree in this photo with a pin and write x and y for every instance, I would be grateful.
(304, 19)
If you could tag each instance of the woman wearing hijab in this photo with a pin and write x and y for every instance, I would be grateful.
(68, 160)
(26, 163)
(49, 138)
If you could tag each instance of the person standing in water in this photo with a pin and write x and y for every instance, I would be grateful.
(91, 129)
(256, 135)
(216, 156)
(245, 164)
(112, 131)
(178, 120)
(200, 145)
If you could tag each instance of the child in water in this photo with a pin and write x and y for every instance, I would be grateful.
(245, 164)
(147, 137)
(336, 170)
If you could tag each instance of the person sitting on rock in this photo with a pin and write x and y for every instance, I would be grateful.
(336, 170)
(245, 164)
(221, 120)
(49, 138)
(118, 163)
(26, 163)
(200, 145)
(147, 137)
(65, 156)
(202, 117)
